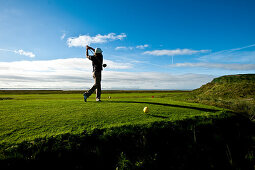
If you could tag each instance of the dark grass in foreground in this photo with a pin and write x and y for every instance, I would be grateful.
(61, 131)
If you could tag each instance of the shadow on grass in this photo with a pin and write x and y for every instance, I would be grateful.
(158, 116)
(171, 105)
(5, 98)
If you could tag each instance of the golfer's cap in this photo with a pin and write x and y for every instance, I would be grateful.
(98, 50)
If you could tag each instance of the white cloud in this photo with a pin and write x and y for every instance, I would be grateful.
(120, 48)
(63, 36)
(241, 48)
(232, 50)
(75, 73)
(131, 48)
(123, 48)
(232, 55)
(117, 65)
(175, 52)
(78, 64)
(1, 49)
(217, 66)
(25, 53)
(153, 80)
(142, 46)
(84, 40)
(20, 52)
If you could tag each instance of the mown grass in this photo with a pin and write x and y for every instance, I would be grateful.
(31, 116)
(61, 131)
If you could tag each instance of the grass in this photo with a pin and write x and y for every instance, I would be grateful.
(30, 116)
(235, 92)
(54, 130)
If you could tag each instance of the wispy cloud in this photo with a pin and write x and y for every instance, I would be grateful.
(233, 49)
(75, 73)
(230, 55)
(142, 46)
(175, 52)
(123, 48)
(25, 53)
(63, 36)
(1, 49)
(84, 40)
(131, 48)
(20, 52)
(241, 48)
(217, 66)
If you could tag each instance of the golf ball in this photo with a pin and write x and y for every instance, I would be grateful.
(145, 109)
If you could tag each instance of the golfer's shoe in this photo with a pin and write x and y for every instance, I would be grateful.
(85, 97)
(98, 100)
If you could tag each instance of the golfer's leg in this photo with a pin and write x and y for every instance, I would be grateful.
(93, 88)
(98, 85)
(98, 91)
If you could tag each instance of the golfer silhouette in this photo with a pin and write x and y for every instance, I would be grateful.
(97, 64)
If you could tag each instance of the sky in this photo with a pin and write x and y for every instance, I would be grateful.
(147, 44)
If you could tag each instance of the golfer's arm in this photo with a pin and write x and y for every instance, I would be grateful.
(92, 49)
(87, 55)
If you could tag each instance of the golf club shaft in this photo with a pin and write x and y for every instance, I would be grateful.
(91, 51)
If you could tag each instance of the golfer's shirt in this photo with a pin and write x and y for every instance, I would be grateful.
(97, 61)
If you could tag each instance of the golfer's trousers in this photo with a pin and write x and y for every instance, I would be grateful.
(96, 86)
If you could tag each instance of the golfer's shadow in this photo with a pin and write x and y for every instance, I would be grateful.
(171, 105)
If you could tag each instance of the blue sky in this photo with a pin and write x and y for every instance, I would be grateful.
(147, 44)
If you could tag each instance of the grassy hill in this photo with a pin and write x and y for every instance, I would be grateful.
(231, 86)
(236, 92)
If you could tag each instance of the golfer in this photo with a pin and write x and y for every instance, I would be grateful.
(97, 61)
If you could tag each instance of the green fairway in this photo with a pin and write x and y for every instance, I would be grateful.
(26, 117)
(58, 129)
